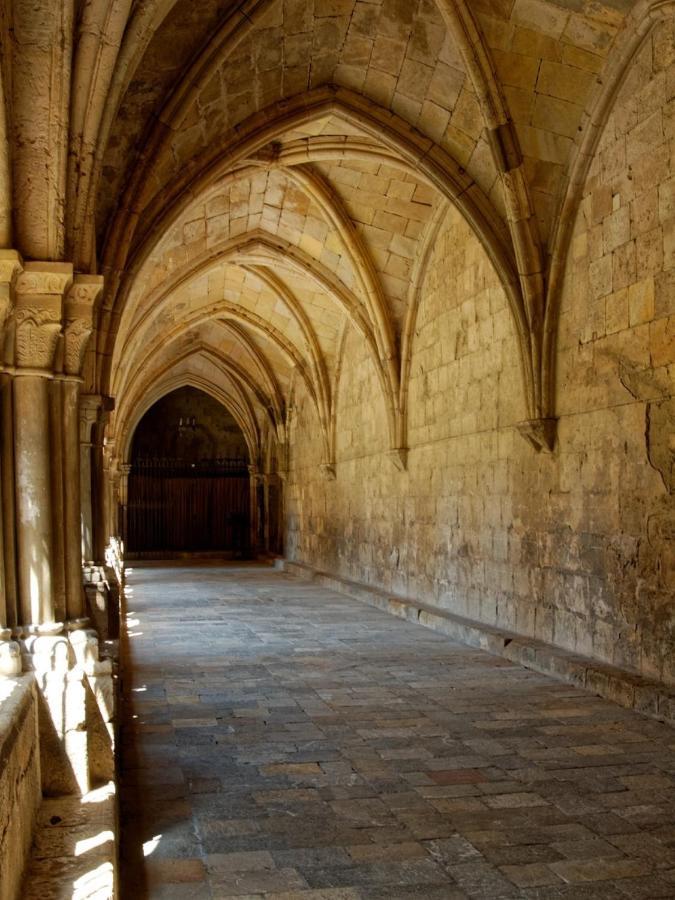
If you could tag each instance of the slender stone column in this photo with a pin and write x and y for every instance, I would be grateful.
(90, 405)
(253, 493)
(57, 489)
(281, 510)
(39, 300)
(105, 501)
(10, 656)
(125, 470)
(101, 482)
(266, 512)
(78, 326)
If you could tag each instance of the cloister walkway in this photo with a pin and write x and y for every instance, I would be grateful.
(283, 741)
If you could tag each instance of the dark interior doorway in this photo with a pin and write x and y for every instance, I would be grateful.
(189, 486)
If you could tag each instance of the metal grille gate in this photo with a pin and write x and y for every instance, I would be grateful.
(175, 506)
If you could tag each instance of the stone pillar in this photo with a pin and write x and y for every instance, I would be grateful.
(266, 512)
(123, 500)
(105, 505)
(89, 407)
(254, 477)
(78, 326)
(282, 475)
(39, 300)
(10, 655)
(57, 490)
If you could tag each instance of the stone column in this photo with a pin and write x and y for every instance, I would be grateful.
(100, 461)
(282, 475)
(39, 300)
(105, 500)
(254, 476)
(89, 407)
(10, 655)
(266, 512)
(78, 326)
(125, 470)
(57, 489)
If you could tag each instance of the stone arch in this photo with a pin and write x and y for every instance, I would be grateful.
(646, 16)
(165, 387)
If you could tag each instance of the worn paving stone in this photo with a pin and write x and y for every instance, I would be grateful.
(281, 741)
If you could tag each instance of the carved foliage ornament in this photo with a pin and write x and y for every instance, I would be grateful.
(37, 331)
(78, 326)
(76, 333)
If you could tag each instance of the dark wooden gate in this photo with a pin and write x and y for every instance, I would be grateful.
(188, 507)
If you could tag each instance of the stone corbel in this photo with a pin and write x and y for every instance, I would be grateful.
(78, 319)
(399, 458)
(39, 293)
(540, 433)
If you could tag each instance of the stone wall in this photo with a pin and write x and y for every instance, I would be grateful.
(20, 790)
(575, 547)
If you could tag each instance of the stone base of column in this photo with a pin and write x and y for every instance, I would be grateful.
(76, 710)
(102, 590)
(10, 654)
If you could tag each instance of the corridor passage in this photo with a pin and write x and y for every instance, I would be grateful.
(283, 741)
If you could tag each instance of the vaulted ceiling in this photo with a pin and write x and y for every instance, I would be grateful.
(266, 174)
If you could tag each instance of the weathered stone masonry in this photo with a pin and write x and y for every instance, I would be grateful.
(422, 252)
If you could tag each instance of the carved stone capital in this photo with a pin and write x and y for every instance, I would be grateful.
(78, 319)
(327, 471)
(39, 293)
(540, 433)
(95, 409)
(10, 267)
(89, 407)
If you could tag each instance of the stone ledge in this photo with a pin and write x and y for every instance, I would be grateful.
(75, 848)
(20, 792)
(623, 687)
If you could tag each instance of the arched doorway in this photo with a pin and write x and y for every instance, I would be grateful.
(189, 484)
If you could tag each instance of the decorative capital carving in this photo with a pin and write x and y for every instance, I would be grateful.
(78, 319)
(89, 407)
(44, 279)
(327, 471)
(10, 267)
(38, 295)
(540, 433)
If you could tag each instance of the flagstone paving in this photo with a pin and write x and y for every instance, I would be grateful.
(283, 741)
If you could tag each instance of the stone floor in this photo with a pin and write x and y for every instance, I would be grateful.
(283, 741)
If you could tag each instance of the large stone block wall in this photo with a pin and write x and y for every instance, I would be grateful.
(574, 548)
(20, 787)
